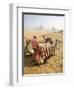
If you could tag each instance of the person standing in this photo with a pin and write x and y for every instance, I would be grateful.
(36, 54)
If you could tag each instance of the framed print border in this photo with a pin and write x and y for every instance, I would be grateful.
(16, 34)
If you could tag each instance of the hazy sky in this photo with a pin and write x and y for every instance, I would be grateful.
(35, 22)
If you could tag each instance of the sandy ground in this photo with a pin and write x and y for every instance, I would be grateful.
(54, 64)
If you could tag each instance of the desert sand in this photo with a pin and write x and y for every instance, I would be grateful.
(54, 64)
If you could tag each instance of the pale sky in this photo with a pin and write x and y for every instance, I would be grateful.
(34, 22)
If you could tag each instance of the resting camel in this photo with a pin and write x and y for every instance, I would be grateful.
(44, 50)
